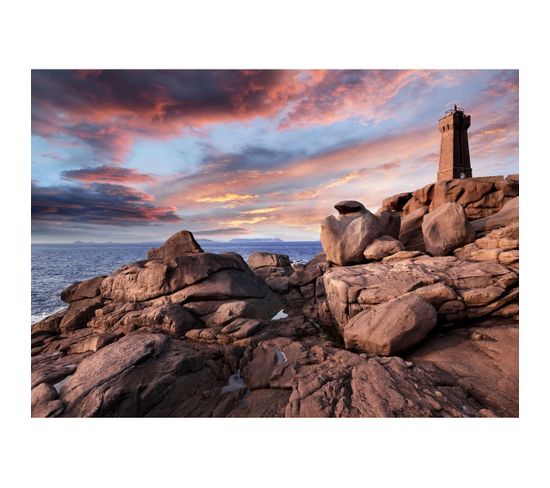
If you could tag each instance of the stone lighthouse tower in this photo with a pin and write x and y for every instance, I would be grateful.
(454, 158)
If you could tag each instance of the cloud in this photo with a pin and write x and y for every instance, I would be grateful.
(107, 174)
(107, 110)
(253, 220)
(228, 197)
(260, 211)
(222, 231)
(98, 203)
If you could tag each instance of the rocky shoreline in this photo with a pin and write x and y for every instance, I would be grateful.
(410, 312)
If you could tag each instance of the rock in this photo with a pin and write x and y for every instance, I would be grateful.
(500, 242)
(331, 382)
(402, 255)
(445, 229)
(145, 375)
(381, 247)
(390, 224)
(230, 311)
(274, 269)
(52, 367)
(396, 203)
(85, 289)
(486, 365)
(410, 233)
(267, 259)
(436, 294)
(241, 328)
(50, 324)
(310, 272)
(171, 318)
(182, 242)
(344, 238)
(351, 290)
(392, 327)
(451, 307)
(208, 334)
(350, 206)
(480, 197)
(44, 401)
(146, 280)
(481, 296)
(79, 313)
(509, 257)
(509, 214)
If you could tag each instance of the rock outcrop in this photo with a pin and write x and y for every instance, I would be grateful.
(501, 244)
(187, 333)
(480, 197)
(456, 288)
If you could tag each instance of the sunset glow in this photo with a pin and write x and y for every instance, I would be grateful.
(132, 156)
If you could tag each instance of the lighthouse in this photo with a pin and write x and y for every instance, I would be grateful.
(454, 156)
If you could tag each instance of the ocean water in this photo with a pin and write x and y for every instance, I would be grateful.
(56, 266)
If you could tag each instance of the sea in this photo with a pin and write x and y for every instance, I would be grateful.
(56, 266)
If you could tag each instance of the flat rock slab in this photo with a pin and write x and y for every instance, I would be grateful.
(485, 361)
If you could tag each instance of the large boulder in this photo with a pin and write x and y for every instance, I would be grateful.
(410, 233)
(445, 229)
(382, 247)
(345, 237)
(392, 327)
(182, 242)
(144, 280)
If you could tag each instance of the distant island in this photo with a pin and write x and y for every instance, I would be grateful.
(264, 239)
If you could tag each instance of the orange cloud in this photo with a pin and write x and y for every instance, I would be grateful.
(260, 211)
(228, 197)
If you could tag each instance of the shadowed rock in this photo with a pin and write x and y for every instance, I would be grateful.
(411, 230)
(350, 206)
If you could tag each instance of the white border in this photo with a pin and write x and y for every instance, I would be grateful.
(283, 34)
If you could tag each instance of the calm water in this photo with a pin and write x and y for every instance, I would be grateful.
(56, 266)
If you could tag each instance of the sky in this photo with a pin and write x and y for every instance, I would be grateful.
(135, 156)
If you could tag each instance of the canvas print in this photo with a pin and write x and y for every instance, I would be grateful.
(275, 243)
